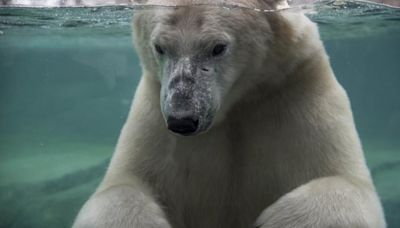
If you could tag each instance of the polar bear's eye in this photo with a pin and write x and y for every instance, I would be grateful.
(159, 49)
(219, 50)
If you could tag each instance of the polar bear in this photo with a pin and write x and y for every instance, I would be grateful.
(238, 121)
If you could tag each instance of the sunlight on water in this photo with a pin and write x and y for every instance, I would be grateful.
(67, 77)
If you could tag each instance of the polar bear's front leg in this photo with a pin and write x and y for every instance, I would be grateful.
(324, 203)
(121, 207)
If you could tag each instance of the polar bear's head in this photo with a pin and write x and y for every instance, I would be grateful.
(204, 57)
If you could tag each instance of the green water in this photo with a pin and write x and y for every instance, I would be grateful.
(67, 77)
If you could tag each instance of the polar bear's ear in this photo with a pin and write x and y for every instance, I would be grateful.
(282, 5)
(275, 4)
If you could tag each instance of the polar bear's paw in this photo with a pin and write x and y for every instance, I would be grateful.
(121, 207)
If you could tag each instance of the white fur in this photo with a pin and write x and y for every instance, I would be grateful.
(283, 150)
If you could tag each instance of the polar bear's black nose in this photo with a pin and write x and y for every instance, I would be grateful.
(183, 126)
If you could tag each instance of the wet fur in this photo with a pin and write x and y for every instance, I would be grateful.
(283, 151)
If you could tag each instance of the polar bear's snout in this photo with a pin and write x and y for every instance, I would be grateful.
(182, 117)
(185, 107)
(188, 98)
(184, 126)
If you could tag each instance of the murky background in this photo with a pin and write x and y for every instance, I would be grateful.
(67, 77)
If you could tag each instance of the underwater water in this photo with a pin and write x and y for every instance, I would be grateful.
(68, 75)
